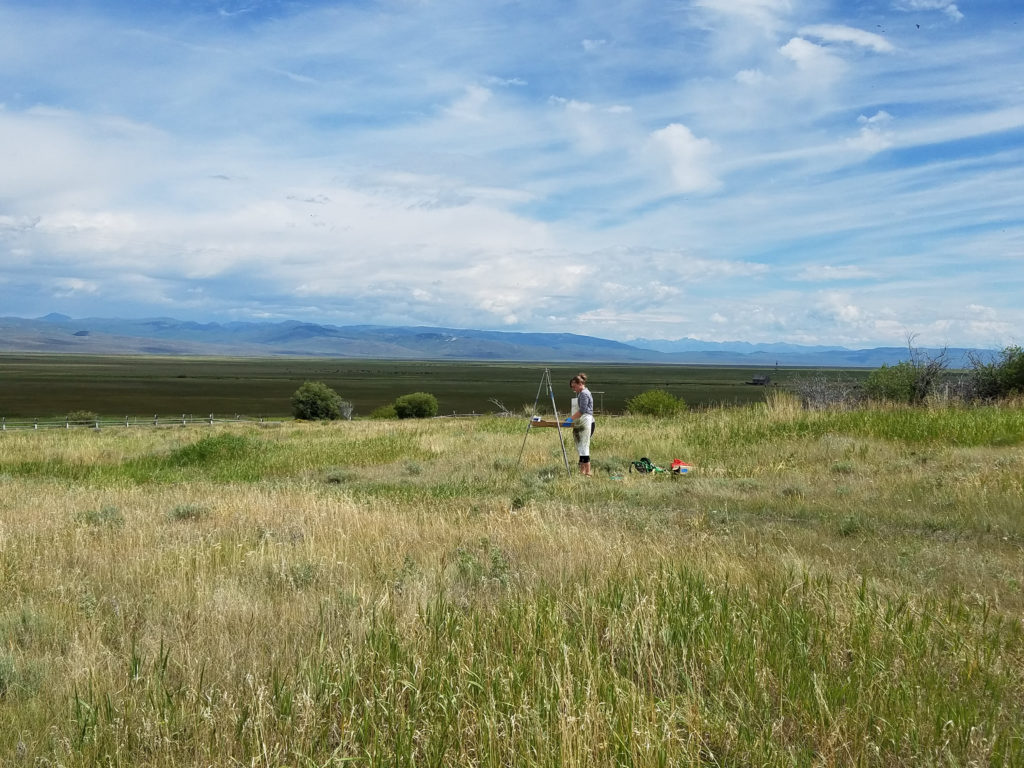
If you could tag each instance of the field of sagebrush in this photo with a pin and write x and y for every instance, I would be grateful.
(824, 589)
(47, 386)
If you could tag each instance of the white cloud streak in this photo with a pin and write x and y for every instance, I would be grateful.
(945, 6)
(838, 33)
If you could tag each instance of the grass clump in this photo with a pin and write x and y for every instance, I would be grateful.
(106, 516)
(188, 512)
(337, 476)
(214, 449)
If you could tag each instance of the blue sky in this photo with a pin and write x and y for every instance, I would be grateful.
(762, 170)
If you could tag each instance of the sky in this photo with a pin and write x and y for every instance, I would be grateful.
(807, 171)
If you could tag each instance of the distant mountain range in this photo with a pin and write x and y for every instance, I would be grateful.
(57, 333)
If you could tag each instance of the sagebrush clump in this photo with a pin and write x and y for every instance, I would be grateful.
(656, 402)
(418, 405)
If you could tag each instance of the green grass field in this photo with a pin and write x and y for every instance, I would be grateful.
(53, 385)
(825, 589)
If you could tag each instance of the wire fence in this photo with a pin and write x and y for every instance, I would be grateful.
(185, 419)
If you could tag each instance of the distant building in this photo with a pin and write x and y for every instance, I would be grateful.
(761, 380)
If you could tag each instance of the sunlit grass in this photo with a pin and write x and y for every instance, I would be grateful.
(823, 589)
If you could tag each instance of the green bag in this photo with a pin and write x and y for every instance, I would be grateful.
(644, 466)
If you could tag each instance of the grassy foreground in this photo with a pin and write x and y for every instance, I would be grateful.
(825, 589)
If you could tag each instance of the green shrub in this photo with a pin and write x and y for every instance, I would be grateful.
(315, 401)
(892, 383)
(418, 405)
(909, 381)
(83, 418)
(384, 412)
(1011, 370)
(1001, 377)
(655, 402)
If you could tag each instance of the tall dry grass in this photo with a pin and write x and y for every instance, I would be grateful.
(824, 589)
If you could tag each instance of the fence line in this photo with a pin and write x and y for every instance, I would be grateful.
(128, 421)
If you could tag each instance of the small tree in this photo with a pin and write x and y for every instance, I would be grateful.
(1011, 370)
(998, 378)
(315, 401)
(910, 381)
(656, 402)
(929, 370)
(894, 383)
(418, 405)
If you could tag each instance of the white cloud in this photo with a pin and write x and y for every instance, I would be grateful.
(980, 122)
(838, 33)
(873, 136)
(840, 308)
(982, 312)
(593, 45)
(880, 117)
(752, 77)
(815, 61)
(594, 129)
(15, 224)
(740, 34)
(507, 81)
(470, 105)
(946, 6)
(64, 287)
(571, 105)
(765, 14)
(689, 158)
(825, 272)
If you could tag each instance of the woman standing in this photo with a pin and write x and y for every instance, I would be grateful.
(582, 420)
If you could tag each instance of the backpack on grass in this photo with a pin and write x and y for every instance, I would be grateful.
(644, 466)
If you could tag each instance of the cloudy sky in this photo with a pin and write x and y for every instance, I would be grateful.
(812, 171)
